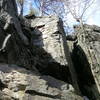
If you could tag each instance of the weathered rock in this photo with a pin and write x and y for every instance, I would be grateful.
(9, 16)
(17, 48)
(71, 37)
(27, 85)
(51, 37)
(39, 46)
(40, 54)
(86, 58)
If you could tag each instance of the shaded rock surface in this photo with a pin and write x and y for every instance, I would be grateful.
(85, 53)
(22, 84)
(17, 50)
(36, 62)
(33, 62)
(51, 38)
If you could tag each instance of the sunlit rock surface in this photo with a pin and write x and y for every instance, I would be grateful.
(85, 51)
(51, 37)
(38, 63)
(21, 84)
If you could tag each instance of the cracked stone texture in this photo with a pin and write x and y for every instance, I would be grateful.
(89, 41)
(21, 84)
(50, 37)
(48, 46)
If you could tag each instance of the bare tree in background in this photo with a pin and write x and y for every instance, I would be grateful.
(78, 8)
(53, 7)
(39, 4)
(47, 7)
(21, 6)
(32, 10)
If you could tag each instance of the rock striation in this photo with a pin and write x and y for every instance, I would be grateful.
(21, 84)
(86, 58)
(37, 63)
(50, 37)
(33, 62)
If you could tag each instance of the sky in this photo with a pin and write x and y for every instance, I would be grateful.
(27, 6)
(93, 13)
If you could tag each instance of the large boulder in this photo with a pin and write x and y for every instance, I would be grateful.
(50, 37)
(86, 58)
(21, 84)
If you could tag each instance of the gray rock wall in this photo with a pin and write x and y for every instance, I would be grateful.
(90, 43)
(20, 84)
(86, 59)
(44, 62)
(50, 37)
(37, 63)
(40, 49)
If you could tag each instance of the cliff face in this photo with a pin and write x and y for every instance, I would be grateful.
(50, 37)
(90, 43)
(48, 76)
(37, 63)
(86, 58)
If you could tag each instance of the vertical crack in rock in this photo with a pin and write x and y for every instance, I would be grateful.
(57, 60)
(85, 78)
(39, 46)
(86, 56)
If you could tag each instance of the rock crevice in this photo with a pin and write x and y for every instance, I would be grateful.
(85, 55)
(36, 62)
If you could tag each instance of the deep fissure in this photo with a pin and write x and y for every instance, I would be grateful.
(85, 78)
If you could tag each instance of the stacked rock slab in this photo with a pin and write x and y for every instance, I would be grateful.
(51, 37)
(17, 83)
(89, 42)
(23, 50)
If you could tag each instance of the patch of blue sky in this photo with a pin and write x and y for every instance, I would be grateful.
(91, 17)
(27, 6)
(92, 14)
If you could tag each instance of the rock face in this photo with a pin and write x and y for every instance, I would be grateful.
(50, 37)
(86, 58)
(33, 62)
(36, 63)
(16, 46)
(21, 84)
